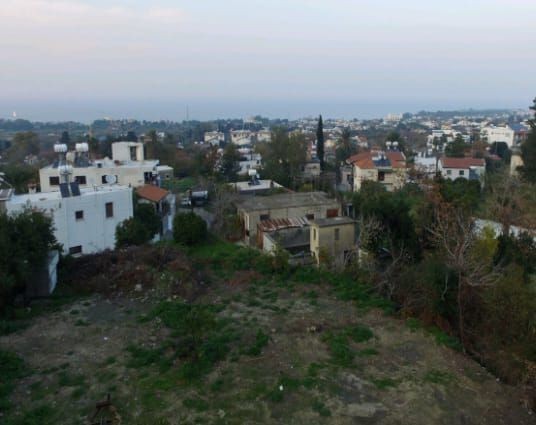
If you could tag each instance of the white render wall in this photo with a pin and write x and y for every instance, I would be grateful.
(121, 151)
(132, 174)
(499, 134)
(95, 232)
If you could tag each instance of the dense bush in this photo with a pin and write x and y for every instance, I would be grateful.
(189, 228)
(139, 229)
(25, 240)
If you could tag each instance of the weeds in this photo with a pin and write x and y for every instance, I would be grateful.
(261, 340)
(12, 368)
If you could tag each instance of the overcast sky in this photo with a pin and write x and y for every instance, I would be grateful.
(84, 59)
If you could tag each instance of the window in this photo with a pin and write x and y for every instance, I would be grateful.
(133, 153)
(80, 179)
(449, 172)
(337, 234)
(310, 216)
(75, 249)
(54, 181)
(264, 217)
(79, 215)
(381, 176)
(109, 209)
(314, 234)
(462, 172)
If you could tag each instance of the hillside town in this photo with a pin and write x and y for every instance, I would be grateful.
(285, 212)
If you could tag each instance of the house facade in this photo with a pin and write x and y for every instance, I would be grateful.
(128, 167)
(333, 237)
(385, 167)
(465, 168)
(311, 205)
(163, 202)
(85, 220)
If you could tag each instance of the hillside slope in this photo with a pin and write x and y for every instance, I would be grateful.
(224, 336)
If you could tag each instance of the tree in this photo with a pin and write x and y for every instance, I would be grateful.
(65, 139)
(26, 143)
(229, 162)
(528, 151)
(189, 228)
(146, 214)
(284, 156)
(131, 232)
(320, 142)
(395, 136)
(131, 137)
(470, 257)
(345, 149)
(140, 228)
(25, 239)
(20, 176)
(456, 148)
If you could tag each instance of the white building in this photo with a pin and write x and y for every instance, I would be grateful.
(465, 168)
(241, 137)
(249, 160)
(498, 135)
(214, 137)
(85, 223)
(127, 167)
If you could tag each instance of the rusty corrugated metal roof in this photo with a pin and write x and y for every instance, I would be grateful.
(274, 224)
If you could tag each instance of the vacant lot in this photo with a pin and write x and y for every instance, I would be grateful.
(240, 346)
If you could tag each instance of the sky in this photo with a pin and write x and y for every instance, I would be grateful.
(204, 59)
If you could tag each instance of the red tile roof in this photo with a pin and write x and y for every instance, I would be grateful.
(362, 160)
(152, 193)
(447, 162)
(396, 158)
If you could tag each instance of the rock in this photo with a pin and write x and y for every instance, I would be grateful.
(364, 410)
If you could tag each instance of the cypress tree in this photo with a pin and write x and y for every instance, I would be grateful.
(320, 142)
(528, 151)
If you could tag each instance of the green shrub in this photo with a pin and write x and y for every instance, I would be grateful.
(189, 229)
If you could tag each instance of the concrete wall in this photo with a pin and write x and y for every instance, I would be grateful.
(94, 232)
(360, 175)
(251, 219)
(323, 238)
(132, 175)
(121, 151)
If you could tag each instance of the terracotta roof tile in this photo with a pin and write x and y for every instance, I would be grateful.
(447, 162)
(152, 193)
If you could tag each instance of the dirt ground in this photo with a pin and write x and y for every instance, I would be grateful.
(78, 355)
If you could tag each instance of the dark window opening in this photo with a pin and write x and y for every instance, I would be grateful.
(310, 216)
(133, 153)
(79, 215)
(80, 179)
(264, 217)
(75, 249)
(109, 209)
(337, 234)
(54, 181)
(381, 176)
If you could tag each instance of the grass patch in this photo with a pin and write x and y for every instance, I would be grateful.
(339, 348)
(12, 368)
(367, 352)
(384, 383)
(199, 338)
(261, 341)
(65, 379)
(196, 404)
(321, 409)
(435, 376)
